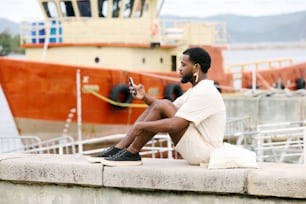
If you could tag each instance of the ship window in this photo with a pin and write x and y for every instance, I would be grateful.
(173, 63)
(102, 8)
(139, 8)
(50, 9)
(97, 60)
(67, 8)
(116, 8)
(84, 8)
(128, 8)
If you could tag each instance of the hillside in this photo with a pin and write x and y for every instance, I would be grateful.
(9, 26)
(278, 28)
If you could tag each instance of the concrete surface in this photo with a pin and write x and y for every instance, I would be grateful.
(72, 173)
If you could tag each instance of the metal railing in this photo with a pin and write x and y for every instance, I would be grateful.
(34, 145)
(281, 145)
(17, 143)
(170, 30)
(280, 142)
(66, 145)
(238, 130)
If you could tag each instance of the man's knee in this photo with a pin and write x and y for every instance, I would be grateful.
(162, 103)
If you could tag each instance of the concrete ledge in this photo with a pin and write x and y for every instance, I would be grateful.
(272, 180)
(59, 169)
(280, 180)
(177, 175)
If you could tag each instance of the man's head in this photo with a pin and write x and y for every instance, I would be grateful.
(193, 61)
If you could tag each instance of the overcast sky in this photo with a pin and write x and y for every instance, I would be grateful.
(18, 10)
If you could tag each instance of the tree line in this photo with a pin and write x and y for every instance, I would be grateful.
(10, 44)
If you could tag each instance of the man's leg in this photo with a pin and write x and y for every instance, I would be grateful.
(158, 110)
(130, 156)
(153, 112)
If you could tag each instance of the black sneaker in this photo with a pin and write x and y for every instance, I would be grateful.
(106, 153)
(123, 158)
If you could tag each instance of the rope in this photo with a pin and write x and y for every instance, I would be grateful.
(115, 103)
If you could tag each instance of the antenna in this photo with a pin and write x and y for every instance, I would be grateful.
(160, 8)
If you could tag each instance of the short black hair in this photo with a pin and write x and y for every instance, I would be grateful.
(200, 56)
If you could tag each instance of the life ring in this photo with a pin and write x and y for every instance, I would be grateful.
(154, 28)
(121, 93)
(300, 83)
(172, 91)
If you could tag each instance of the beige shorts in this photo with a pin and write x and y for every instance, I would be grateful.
(193, 148)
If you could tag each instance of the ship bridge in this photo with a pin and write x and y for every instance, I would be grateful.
(89, 32)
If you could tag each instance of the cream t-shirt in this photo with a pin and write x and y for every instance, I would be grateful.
(203, 106)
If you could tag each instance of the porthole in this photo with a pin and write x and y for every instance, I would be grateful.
(97, 60)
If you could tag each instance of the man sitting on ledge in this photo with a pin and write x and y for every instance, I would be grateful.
(195, 121)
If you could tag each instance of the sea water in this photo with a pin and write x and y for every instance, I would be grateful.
(8, 132)
(237, 56)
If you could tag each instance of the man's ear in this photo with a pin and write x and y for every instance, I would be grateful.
(196, 68)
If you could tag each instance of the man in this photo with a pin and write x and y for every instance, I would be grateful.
(195, 121)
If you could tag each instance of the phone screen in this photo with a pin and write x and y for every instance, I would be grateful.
(131, 81)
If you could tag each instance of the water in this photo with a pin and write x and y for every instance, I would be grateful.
(8, 129)
(240, 56)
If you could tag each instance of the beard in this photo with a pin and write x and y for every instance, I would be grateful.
(186, 79)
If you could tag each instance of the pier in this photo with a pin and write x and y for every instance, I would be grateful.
(31, 178)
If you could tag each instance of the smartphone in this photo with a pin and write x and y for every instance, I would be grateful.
(131, 81)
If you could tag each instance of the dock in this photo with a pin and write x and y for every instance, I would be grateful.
(33, 178)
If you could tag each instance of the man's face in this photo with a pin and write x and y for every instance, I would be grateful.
(186, 69)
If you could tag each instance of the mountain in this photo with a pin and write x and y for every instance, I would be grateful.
(245, 29)
(9, 26)
(277, 28)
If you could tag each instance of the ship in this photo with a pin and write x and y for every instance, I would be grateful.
(79, 58)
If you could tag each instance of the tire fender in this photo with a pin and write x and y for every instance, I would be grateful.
(172, 91)
(121, 93)
(300, 83)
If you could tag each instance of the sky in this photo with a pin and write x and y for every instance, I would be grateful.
(18, 10)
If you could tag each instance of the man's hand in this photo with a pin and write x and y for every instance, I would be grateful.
(138, 91)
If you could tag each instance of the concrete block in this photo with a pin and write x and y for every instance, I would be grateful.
(177, 175)
(266, 108)
(280, 180)
(59, 169)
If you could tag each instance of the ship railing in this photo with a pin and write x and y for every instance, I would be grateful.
(170, 31)
(173, 30)
(41, 32)
(238, 69)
